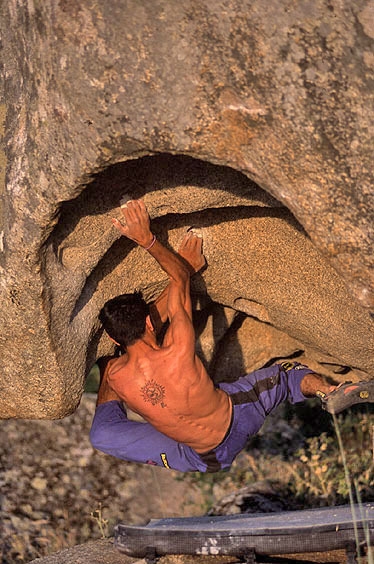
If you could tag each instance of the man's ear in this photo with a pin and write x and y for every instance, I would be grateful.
(149, 324)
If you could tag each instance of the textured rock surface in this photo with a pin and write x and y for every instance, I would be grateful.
(103, 552)
(252, 120)
(94, 552)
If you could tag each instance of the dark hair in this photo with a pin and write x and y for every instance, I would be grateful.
(123, 318)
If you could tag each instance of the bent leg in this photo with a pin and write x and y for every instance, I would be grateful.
(113, 433)
(257, 394)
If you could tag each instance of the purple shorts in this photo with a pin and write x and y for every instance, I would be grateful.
(253, 397)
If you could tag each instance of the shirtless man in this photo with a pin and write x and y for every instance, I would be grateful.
(191, 425)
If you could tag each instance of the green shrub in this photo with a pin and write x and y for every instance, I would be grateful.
(311, 475)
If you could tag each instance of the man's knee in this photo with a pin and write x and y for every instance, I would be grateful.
(98, 437)
(107, 425)
(102, 432)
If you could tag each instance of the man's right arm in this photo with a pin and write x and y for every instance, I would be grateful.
(137, 228)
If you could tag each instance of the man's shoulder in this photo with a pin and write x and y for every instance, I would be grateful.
(180, 333)
(116, 366)
(174, 349)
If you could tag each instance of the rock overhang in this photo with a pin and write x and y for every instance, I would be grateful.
(245, 97)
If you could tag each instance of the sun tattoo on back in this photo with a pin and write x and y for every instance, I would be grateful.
(153, 392)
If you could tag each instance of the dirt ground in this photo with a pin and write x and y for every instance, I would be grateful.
(57, 492)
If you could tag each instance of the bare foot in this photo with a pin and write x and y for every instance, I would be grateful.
(105, 392)
(314, 384)
(191, 250)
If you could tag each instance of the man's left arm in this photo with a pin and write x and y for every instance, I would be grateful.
(159, 308)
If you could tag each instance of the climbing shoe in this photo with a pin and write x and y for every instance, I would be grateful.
(347, 394)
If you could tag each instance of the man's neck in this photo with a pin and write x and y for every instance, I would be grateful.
(142, 345)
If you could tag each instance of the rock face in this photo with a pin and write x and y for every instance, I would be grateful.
(250, 119)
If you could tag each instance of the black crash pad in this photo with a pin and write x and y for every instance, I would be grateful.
(313, 530)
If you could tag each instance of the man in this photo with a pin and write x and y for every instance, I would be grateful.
(191, 425)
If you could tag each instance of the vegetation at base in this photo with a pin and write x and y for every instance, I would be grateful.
(298, 453)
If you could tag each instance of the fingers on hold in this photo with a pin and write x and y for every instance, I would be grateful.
(123, 201)
(188, 238)
(199, 242)
(195, 237)
(136, 208)
(118, 225)
(196, 232)
(130, 210)
(124, 210)
(133, 208)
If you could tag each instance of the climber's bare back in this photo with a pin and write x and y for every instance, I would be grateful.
(174, 393)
